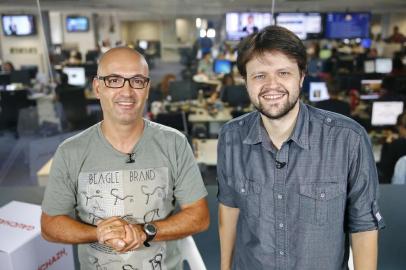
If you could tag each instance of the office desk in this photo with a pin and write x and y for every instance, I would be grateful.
(201, 116)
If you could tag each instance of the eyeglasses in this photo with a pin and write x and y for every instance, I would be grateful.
(115, 81)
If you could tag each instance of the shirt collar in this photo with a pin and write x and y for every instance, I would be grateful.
(300, 133)
(254, 133)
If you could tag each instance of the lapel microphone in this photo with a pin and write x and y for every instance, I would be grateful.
(130, 158)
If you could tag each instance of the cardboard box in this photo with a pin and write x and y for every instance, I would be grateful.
(21, 244)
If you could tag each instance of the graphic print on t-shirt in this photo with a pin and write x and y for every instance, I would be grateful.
(138, 196)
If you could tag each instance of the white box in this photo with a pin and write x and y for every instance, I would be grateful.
(21, 244)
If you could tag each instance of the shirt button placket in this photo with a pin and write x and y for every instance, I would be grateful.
(280, 206)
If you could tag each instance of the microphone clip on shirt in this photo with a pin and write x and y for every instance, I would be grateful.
(280, 165)
(130, 158)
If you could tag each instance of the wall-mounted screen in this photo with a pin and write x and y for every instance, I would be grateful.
(347, 25)
(18, 25)
(239, 25)
(304, 25)
(77, 24)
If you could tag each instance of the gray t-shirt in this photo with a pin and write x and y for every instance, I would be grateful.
(91, 177)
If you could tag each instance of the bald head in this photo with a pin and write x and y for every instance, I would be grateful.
(120, 56)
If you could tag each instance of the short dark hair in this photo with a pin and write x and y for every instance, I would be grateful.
(401, 121)
(271, 38)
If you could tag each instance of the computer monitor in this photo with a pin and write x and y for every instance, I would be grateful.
(222, 66)
(32, 69)
(143, 44)
(4, 80)
(369, 66)
(385, 113)
(21, 76)
(383, 65)
(182, 90)
(76, 75)
(318, 91)
(90, 69)
(366, 43)
(370, 89)
(235, 96)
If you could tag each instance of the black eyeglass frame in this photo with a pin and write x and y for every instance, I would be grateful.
(147, 80)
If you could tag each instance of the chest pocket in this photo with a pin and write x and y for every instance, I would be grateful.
(321, 203)
(248, 192)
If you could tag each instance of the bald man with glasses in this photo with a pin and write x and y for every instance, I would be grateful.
(121, 179)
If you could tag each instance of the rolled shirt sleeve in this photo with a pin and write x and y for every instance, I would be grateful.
(363, 212)
(225, 193)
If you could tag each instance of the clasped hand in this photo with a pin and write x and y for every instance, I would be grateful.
(119, 234)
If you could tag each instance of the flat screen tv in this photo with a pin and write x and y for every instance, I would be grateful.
(77, 24)
(18, 25)
(239, 25)
(340, 25)
(304, 25)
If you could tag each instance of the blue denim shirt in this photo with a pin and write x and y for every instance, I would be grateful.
(298, 204)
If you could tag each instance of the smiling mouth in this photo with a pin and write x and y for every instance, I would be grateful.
(125, 103)
(273, 96)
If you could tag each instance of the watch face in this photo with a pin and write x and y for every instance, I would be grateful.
(150, 229)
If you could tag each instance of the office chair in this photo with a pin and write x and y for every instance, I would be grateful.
(4, 80)
(190, 253)
(11, 102)
(32, 70)
(74, 108)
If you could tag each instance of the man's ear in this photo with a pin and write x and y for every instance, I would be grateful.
(302, 79)
(96, 87)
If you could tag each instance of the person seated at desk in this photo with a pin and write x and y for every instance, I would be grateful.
(393, 149)
(75, 58)
(334, 104)
(161, 91)
(205, 65)
(227, 80)
(398, 68)
(7, 67)
(396, 37)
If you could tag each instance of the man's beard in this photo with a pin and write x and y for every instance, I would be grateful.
(284, 110)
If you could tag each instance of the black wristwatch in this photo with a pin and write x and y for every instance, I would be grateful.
(150, 231)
